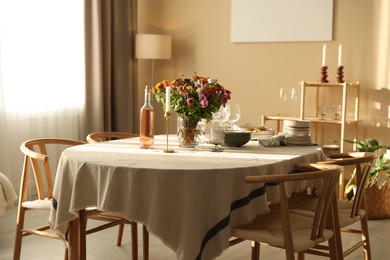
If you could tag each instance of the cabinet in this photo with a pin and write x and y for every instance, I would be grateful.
(349, 114)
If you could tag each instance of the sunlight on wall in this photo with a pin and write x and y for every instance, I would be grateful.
(383, 44)
(42, 54)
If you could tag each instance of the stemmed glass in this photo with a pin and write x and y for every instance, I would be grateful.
(282, 94)
(217, 135)
(294, 98)
(222, 115)
(336, 111)
(323, 111)
(235, 114)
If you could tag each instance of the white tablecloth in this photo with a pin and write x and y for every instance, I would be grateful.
(190, 199)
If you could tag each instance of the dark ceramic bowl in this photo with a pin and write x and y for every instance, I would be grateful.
(236, 139)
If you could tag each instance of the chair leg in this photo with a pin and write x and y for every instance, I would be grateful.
(335, 243)
(66, 255)
(120, 234)
(301, 256)
(19, 233)
(134, 240)
(255, 252)
(145, 236)
(366, 237)
(82, 236)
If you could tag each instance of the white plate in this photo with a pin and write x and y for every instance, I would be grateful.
(297, 123)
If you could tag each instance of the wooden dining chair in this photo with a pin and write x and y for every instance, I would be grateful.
(349, 212)
(106, 136)
(96, 137)
(36, 158)
(293, 232)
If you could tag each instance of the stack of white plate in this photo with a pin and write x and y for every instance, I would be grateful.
(297, 132)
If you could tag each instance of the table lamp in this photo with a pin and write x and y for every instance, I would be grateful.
(153, 47)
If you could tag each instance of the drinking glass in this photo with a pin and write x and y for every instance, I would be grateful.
(217, 136)
(336, 111)
(222, 115)
(294, 98)
(235, 114)
(282, 94)
(323, 111)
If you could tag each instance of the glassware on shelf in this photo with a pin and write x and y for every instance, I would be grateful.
(323, 111)
(336, 110)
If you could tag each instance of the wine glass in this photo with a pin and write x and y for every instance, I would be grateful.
(217, 136)
(282, 94)
(336, 111)
(294, 98)
(222, 115)
(235, 114)
(323, 111)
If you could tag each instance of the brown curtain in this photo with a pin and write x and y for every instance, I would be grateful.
(110, 76)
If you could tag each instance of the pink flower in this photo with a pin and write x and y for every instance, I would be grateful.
(204, 102)
(190, 101)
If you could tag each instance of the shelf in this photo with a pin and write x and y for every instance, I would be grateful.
(312, 119)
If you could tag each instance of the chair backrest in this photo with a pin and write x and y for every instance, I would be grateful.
(106, 136)
(329, 175)
(363, 162)
(36, 156)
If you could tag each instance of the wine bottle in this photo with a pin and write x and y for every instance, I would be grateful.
(147, 122)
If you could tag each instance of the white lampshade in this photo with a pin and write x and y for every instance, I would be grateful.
(153, 46)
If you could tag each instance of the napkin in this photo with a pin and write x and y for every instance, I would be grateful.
(276, 140)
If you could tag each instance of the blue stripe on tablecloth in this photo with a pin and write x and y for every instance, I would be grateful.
(225, 221)
(54, 203)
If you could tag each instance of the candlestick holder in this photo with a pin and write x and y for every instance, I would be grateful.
(324, 74)
(167, 115)
(340, 74)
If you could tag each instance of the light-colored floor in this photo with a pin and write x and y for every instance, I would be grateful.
(101, 245)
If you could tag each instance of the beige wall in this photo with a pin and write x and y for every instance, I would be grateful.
(255, 72)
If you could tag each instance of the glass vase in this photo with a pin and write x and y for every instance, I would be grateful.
(189, 133)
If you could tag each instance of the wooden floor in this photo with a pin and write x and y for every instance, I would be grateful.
(101, 245)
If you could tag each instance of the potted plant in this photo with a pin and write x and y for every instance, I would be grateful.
(377, 191)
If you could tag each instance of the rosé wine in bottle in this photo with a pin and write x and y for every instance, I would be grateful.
(147, 122)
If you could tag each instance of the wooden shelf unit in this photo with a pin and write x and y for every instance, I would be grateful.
(343, 121)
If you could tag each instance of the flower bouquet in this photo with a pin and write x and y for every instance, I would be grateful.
(193, 99)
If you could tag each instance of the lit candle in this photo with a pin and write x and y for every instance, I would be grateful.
(340, 54)
(167, 99)
(324, 55)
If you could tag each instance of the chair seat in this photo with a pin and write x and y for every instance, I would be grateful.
(38, 204)
(345, 218)
(268, 229)
(304, 204)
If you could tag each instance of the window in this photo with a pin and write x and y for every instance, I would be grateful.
(42, 54)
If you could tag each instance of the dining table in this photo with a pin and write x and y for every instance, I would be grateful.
(191, 199)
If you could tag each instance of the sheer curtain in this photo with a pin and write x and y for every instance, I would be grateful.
(42, 75)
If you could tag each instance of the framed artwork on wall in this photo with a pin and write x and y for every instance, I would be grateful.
(281, 20)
